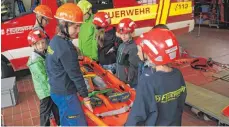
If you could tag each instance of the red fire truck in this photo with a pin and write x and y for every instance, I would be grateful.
(18, 19)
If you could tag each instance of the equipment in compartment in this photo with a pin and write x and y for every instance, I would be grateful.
(212, 12)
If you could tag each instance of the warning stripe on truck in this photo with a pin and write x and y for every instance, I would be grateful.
(159, 12)
(165, 11)
(172, 9)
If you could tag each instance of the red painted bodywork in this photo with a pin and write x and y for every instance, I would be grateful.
(124, 3)
(19, 64)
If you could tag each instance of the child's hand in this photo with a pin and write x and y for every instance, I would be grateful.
(117, 34)
(87, 103)
(111, 50)
(80, 57)
(128, 85)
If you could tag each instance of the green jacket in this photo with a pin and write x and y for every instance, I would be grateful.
(36, 64)
(87, 41)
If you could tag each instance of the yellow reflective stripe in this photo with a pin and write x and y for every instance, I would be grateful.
(136, 13)
(159, 12)
(49, 50)
(170, 96)
(165, 12)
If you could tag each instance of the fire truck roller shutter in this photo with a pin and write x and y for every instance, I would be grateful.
(100, 5)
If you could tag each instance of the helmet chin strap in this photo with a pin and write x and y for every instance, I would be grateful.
(144, 58)
(64, 30)
(40, 23)
(128, 41)
(89, 14)
(98, 27)
(143, 54)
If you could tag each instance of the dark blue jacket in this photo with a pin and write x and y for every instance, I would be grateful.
(160, 99)
(63, 68)
(127, 63)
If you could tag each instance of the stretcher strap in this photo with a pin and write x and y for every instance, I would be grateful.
(116, 112)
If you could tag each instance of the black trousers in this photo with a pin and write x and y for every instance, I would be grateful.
(47, 108)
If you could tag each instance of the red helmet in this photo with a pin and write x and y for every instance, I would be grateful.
(126, 25)
(160, 45)
(101, 19)
(35, 35)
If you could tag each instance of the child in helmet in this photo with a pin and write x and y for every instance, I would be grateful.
(161, 93)
(87, 43)
(127, 59)
(36, 64)
(107, 40)
(43, 16)
(65, 77)
(146, 63)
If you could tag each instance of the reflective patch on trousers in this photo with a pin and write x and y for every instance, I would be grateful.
(73, 116)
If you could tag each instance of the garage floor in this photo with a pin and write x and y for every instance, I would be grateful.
(211, 43)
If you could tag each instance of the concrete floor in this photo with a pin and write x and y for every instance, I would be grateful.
(212, 42)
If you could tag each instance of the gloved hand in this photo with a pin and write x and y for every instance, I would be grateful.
(87, 103)
(80, 57)
(110, 50)
(128, 85)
